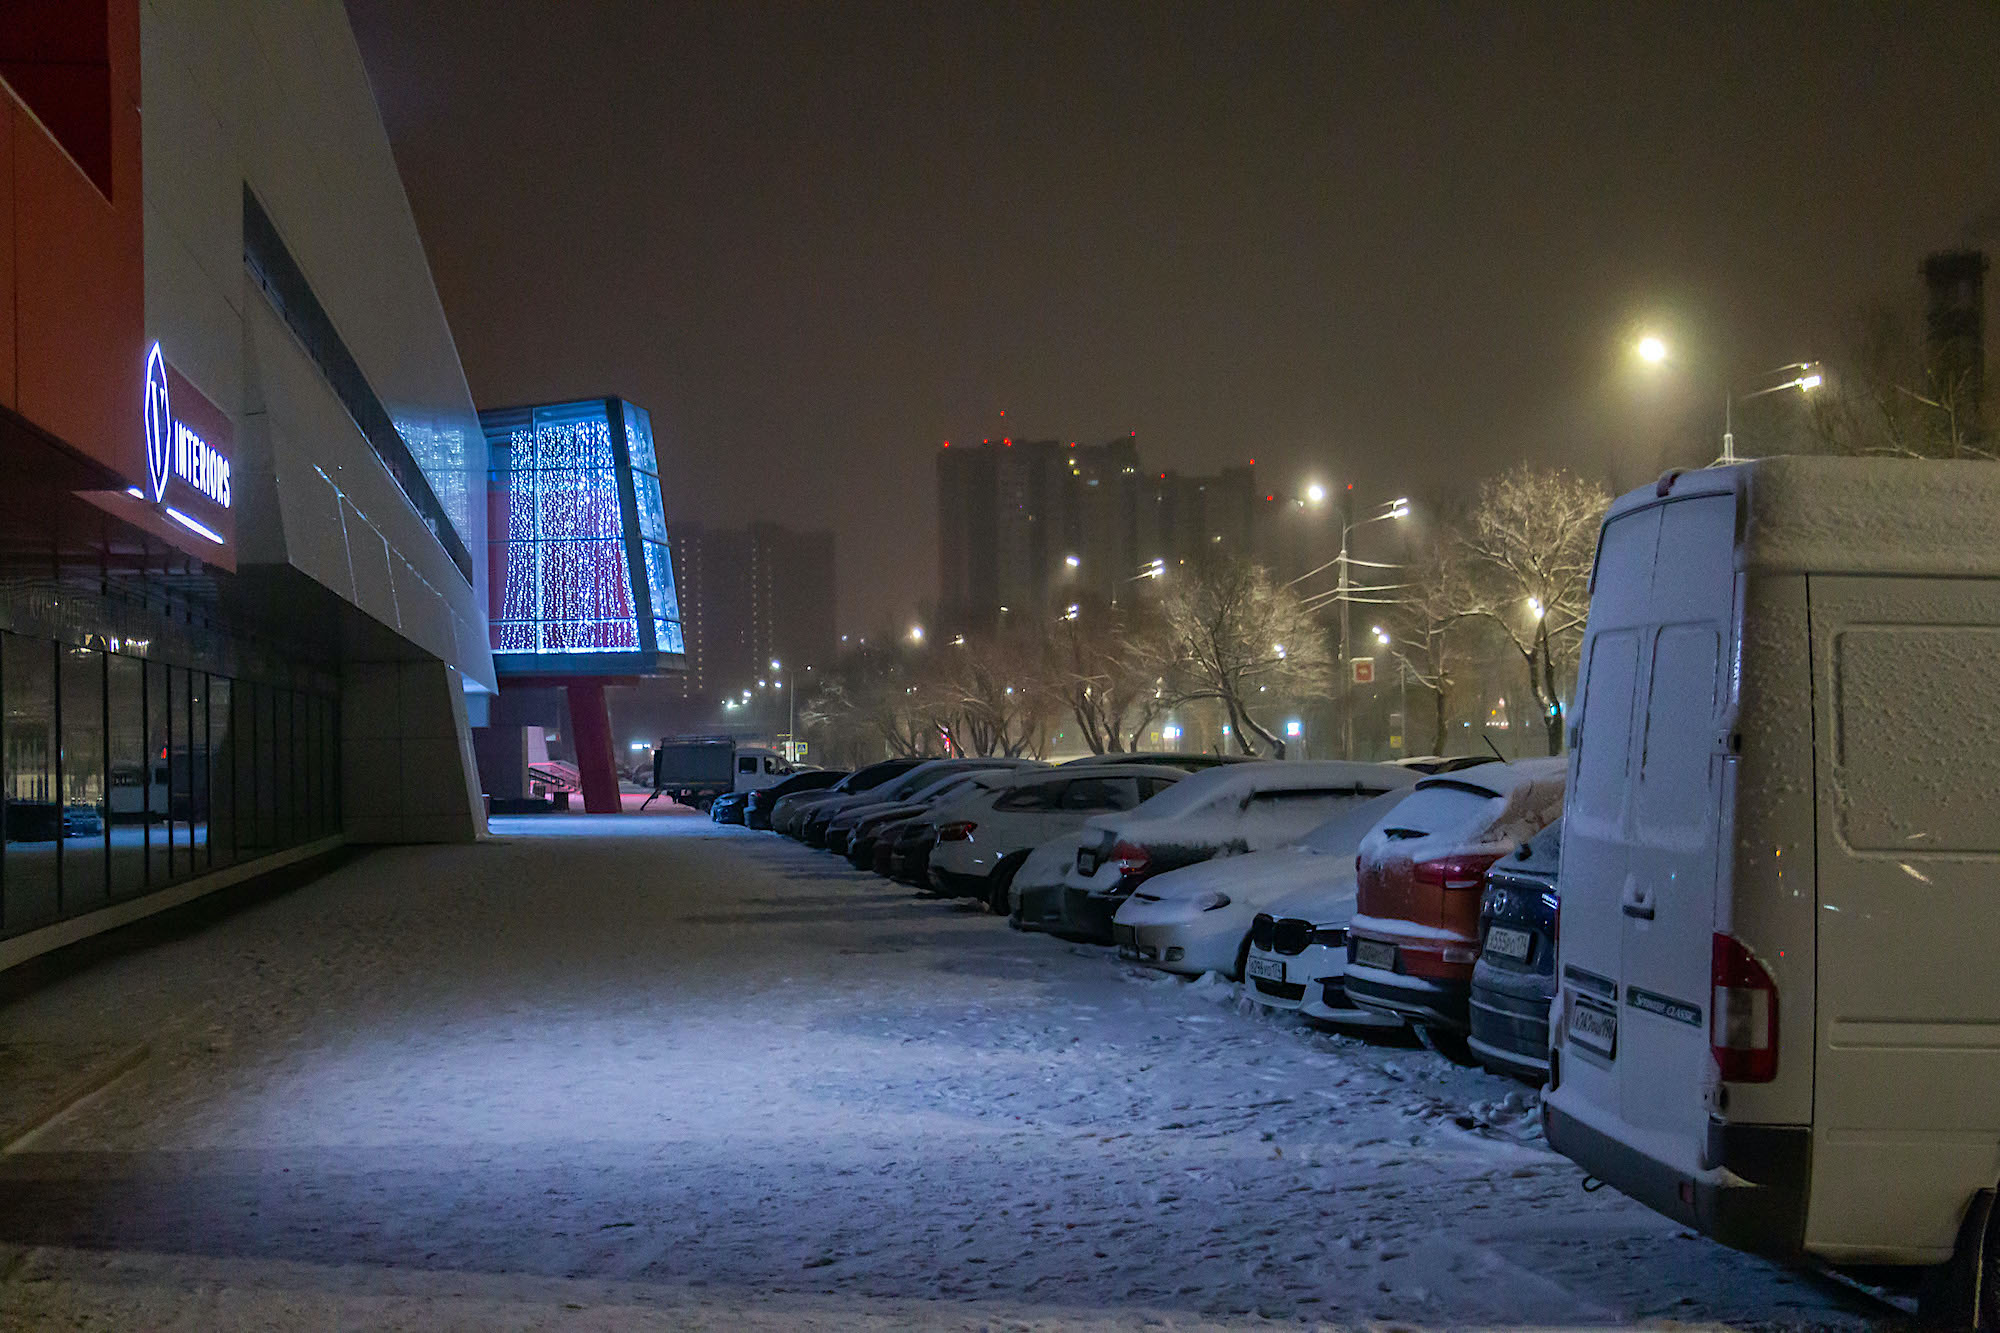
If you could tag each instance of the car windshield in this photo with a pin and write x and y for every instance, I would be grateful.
(951, 782)
(866, 779)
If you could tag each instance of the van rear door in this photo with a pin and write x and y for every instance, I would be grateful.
(1667, 904)
(1591, 934)
(1642, 828)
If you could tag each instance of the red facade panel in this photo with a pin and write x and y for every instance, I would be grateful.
(75, 301)
(9, 386)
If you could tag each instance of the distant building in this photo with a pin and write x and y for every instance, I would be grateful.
(751, 596)
(1026, 527)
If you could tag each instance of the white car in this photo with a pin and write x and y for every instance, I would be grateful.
(1224, 812)
(984, 838)
(1197, 919)
(1298, 956)
(1035, 895)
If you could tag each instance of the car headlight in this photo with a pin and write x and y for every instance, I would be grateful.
(1211, 900)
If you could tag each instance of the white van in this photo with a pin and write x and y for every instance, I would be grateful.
(1779, 1006)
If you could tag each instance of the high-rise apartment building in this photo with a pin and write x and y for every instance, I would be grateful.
(750, 596)
(1026, 527)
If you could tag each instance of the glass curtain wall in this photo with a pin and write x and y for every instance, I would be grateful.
(659, 564)
(123, 775)
(563, 584)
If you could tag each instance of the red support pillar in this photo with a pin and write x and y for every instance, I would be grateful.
(590, 728)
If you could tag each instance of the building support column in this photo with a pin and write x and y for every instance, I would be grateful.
(590, 729)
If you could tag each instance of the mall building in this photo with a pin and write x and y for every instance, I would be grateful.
(244, 574)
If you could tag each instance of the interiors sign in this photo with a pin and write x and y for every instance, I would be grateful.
(187, 453)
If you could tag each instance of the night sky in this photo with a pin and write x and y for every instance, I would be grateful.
(1397, 243)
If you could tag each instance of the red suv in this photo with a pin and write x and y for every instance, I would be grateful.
(1415, 934)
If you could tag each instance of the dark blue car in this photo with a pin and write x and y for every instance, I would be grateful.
(1515, 977)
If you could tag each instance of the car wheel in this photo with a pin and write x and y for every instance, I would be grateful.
(1965, 1291)
(1000, 889)
(1451, 1045)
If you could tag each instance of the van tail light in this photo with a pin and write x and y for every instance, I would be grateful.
(1131, 860)
(957, 831)
(1743, 1025)
(1455, 872)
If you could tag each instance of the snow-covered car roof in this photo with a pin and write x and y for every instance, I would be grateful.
(1198, 790)
(1087, 772)
(1341, 836)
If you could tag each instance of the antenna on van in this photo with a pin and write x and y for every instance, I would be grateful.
(1491, 746)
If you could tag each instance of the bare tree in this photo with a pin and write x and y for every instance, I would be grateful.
(1100, 664)
(985, 694)
(869, 700)
(1431, 634)
(1531, 539)
(1232, 629)
(1887, 394)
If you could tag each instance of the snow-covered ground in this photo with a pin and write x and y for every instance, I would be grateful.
(615, 1073)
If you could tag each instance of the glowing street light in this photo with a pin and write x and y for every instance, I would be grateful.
(1652, 350)
(1535, 606)
(1071, 561)
(1279, 649)
(1315, 494)
(1071, 611)
(776, 665)
(1381, 636)
(916, 634)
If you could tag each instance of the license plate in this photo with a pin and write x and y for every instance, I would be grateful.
(1594, 1027)
(1266, 969)
(1374, 953)
(1510, 943)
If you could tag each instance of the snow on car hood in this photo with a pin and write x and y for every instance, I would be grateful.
(1328, 904)
(1253, 879)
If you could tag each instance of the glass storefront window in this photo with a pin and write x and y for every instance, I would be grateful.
(222, 773)
(33, 820)
(125, 692)
(84, 845)
(160, 779)
(123, 775)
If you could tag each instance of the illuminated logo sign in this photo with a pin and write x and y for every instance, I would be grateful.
(159, 423)
(178, 452)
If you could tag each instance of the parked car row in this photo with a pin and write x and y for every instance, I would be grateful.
(1361, 895)
(1757, 890)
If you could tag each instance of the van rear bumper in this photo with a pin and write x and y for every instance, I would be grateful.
(1755, 1202)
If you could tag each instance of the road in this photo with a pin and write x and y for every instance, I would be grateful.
(618, 1073)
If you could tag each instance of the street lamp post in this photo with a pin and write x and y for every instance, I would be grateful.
(1345, 592)
(1804, 376)
(1395, 509)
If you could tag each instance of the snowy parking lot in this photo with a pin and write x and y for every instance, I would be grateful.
(628, 1073)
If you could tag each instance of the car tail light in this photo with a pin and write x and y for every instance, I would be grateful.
(1743, 1026)
(1455, 872)
(956, 831)
(1131, 860)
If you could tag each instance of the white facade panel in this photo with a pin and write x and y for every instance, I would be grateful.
(274, 98)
